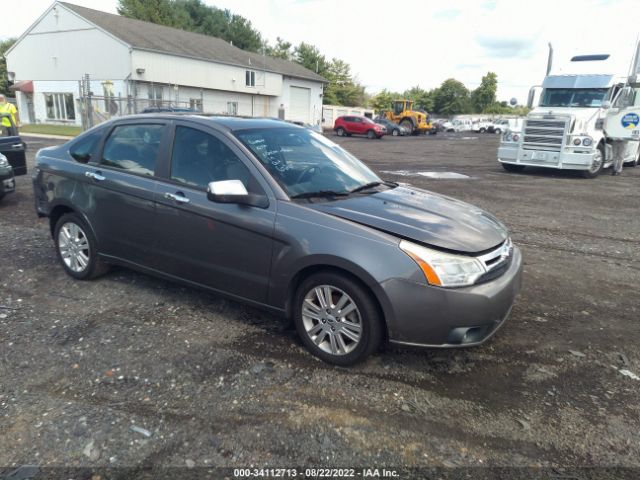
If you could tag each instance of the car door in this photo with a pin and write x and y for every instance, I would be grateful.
(119, 186)
(358, 126)
(12, 147)
(224, 246)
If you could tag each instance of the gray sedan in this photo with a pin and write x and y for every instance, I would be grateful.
(281, 218)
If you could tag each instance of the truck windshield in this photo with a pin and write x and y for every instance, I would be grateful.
(573, 97)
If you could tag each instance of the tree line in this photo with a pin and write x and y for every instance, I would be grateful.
(450, 98)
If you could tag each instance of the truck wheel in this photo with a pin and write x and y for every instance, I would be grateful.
(498, 131)
(482, 130)
(510, 167)
(408, 124)
(596, 164)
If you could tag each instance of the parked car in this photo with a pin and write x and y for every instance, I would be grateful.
(279, 217)
(503, 124)
(7, 180)
(316, 128)
(358, 125)
(13, 159)
(392, 128)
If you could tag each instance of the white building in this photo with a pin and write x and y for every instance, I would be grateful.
(152, 65)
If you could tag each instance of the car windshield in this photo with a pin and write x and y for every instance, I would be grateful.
(304, 162)
(573, 97)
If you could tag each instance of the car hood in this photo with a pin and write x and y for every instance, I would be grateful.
(423, 217)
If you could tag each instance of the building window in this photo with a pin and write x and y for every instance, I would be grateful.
(195, 104)
(250, 78)
(232, 108)
(60, 106)
(155, 94)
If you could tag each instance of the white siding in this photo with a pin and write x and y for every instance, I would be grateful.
(66, 50)
(164, 68)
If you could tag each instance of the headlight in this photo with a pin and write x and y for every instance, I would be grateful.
(516, 137)
(587, 141)
(577, 141)
(444, 269)
(3, 161)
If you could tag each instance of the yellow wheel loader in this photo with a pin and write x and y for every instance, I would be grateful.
(403, 114)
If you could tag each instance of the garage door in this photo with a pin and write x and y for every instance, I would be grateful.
(299, 104)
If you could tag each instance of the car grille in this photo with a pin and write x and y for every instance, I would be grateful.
(497, 261)
(544, 134)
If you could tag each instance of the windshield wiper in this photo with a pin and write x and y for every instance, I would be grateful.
(369, 185)
(321, 193)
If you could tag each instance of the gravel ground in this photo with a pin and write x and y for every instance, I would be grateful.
(129, 370)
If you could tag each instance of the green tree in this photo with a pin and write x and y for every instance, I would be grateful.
(421, 98)
(343, 88)
(382, 101)
(195, 16)
(310, 57)
(485, 95)
(155, 11)
(282, 49)
(451, 98)
(4, 78)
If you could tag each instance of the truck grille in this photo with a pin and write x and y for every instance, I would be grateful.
(544, 134)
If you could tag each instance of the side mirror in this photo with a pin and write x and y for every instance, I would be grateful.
(606, 104)
(234, 191)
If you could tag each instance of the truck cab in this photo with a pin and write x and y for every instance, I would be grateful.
(565, 130)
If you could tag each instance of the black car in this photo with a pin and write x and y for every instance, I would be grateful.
(392, 128)
(282, 218)
(13, 161)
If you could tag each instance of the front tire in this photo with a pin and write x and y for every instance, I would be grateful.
(77, 248)
(337, 319)
(340, 132)
(596, 164)
(395, 132)
(371, 134)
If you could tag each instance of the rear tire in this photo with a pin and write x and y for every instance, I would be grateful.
(77, 248)
(338, 340)
(510, 167)
(395, 132)
(596, 165)
(482, 130)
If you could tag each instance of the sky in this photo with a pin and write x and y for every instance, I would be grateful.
(425, 42)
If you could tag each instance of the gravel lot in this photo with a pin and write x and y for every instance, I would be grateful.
(206, 381)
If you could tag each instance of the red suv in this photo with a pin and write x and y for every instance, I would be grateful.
(358, 125)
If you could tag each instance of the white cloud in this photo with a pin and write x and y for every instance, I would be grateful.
(417, 44)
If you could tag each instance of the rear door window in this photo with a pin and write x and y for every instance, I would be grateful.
(133, 148)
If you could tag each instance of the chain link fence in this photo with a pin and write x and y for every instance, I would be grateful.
(96, 109)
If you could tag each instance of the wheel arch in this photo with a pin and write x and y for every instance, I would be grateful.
(63, 208)
(356, 274)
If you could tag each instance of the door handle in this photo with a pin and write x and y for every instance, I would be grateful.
(95, 176)
(176, 198)
(16, 145)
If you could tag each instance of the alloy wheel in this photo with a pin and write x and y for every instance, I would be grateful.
(332, 320)
(73, 245)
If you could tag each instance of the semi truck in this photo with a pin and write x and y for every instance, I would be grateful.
(566, 127)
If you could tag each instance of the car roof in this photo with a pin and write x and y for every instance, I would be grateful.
(230, 123)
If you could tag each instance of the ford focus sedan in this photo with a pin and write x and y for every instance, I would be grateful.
(281, 218)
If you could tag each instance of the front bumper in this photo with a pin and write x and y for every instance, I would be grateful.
(7, 181)
(559, 160)
(428, 316)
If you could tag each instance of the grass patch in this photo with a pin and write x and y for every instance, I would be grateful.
(68, 130)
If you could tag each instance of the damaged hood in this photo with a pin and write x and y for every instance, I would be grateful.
(423, 217)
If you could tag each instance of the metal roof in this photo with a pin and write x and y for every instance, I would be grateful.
(158, 38)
